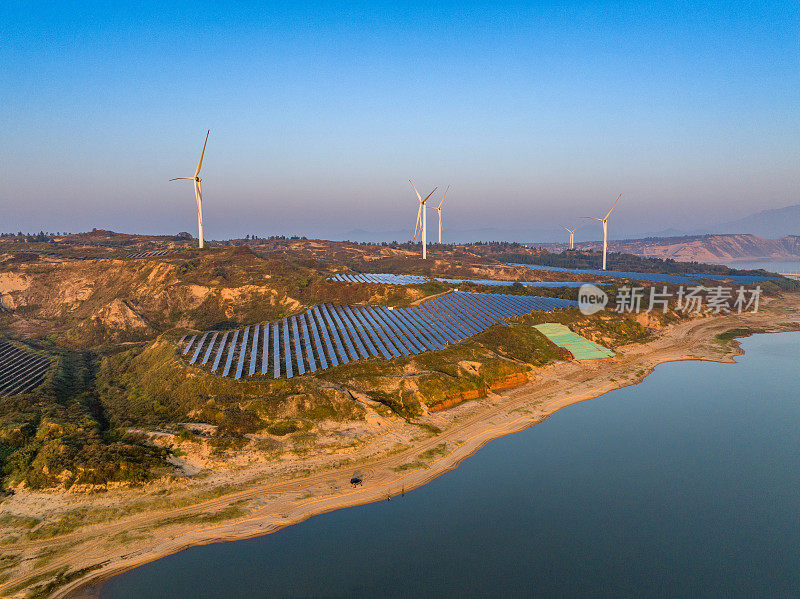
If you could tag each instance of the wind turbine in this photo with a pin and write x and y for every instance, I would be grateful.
(572, 236)
(439, 210)
(604, 220)
(197, 192)
(422, 213)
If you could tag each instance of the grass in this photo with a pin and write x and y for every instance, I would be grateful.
(14, 521)
(434, 452)
(411, 466)
(229, 513)
(733, 333)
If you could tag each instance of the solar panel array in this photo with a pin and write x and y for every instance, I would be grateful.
(328, 335)
(152, 254)
(390, 279)
(20, 371)
(689, 279)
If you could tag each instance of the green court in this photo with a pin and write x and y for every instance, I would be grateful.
(580, 347)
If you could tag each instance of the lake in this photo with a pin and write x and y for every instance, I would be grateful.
(686, 484)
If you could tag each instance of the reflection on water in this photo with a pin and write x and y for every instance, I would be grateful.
(686, 484)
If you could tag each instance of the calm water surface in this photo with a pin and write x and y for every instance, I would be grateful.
(687, 484)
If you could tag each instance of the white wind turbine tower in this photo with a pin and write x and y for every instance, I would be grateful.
(439, 210)
(197, 192)
(422, 213)
(572, 236)
(604, 220)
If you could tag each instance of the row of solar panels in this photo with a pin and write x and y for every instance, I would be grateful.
(328, 335)
(688, 279)
(152, 254)
(20, 371)
(390, 279)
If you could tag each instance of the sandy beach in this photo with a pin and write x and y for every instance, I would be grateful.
(265, 497)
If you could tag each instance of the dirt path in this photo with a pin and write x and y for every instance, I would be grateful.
(269, 504)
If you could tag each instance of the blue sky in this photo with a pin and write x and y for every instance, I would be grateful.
(535, 113)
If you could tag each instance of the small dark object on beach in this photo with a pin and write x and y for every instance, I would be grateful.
(355, 481)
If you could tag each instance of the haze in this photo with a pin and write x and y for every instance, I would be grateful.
(535, 114)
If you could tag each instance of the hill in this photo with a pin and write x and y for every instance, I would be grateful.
(703, 248)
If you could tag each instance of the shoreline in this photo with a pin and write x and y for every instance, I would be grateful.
(474, 424)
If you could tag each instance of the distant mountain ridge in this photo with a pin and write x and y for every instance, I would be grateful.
(705, 248)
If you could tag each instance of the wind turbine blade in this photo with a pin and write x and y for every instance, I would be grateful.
(199, 164)
(415, 189)
(179, 178)
(419, 217)
(612, 207)
(568, 230)
(443, 197)
(429, 195)
(593, 218)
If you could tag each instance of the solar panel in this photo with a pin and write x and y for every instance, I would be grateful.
(447, 306)
(254, 351)
(342, 332)
(415, 337)
(287, 350)
(422, 332)
(315, 334)
(242, 352)
(231, 351)
(265, 350)
(472, 312)
(377, 329)
(323, 329)
(356, 339)
(312, 364)
(392, 331)
(370, 329)
(189, 345)
(361, 330)
(298, 352)
(334, 332)
(444, 333)
(220, 351)
(198, 348)
(276, 352)
(210, 347)
(445, 320)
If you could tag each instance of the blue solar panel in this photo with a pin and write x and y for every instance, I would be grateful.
(423, 333)
(198, 348)
(392, 331)
(231, 351)
(414, 335)
(342, 332)
(353, 334)
(370, 329)
(446, 305)
(361, 330)
(312, 364)
(323, 362)
(481, 319)
(437, 312)
(319, 321)
(276, 352)
(220, 351)
(298, 352)
(189, 345)
(254, 351)
(445, 333)
(210, 347)
(378, 330)
(265, 351)
(287, 350)
(242, 353)
(335, 335)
